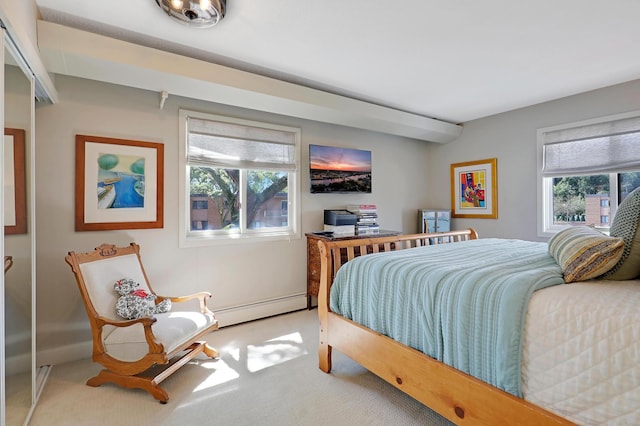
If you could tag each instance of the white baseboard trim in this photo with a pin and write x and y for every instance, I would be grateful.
(18, 363)
(225, 317)
(254, 311)
(66, 353)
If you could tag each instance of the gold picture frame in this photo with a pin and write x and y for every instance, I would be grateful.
(15, 192)
(119, 184)
(474, 189)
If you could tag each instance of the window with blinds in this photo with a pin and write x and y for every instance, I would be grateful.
(611, 146)
(586, 169)
(246, 171)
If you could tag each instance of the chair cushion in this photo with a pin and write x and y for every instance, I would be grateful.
(626, 225)
(100, 275)
(584, 253)
(172, 329)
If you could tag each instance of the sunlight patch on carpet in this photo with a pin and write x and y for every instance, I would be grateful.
(275, 351)
(221, 373)
(252, 358)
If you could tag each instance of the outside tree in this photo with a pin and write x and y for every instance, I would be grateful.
(222, 186)
(569, 192)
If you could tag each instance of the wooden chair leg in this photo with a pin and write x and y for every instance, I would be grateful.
(130, 382)
(210, 351)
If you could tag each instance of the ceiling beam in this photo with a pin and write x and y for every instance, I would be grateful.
(18, 18)
(82, 54)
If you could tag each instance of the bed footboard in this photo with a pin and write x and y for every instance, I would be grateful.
(334, 254)
(455, 395)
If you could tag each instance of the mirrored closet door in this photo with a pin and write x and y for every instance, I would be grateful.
(18, 236)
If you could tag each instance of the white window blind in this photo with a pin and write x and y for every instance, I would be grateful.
(239, 146)
(610, 146)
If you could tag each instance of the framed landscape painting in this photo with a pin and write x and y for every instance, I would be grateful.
(119, 184)
(339, 170)
(474, 189)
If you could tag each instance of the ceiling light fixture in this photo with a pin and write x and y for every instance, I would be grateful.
(195, 13)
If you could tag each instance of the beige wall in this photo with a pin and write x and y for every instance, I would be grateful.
(235, 274)
(511, 138)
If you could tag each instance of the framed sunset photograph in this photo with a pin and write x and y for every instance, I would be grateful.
(342, 170)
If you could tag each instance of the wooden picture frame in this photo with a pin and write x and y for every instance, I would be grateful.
(474, 189)
(15, 190)
(119, 184)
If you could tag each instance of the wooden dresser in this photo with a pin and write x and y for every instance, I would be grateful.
(313, 257)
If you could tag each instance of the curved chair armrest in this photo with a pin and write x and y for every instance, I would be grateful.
(202, 296)
(154, 346)
(102, 321)
(8, 262)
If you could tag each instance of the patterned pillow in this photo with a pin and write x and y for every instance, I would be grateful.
(625, 226)
(584, 253)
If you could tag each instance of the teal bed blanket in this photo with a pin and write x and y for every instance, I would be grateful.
(462, 303)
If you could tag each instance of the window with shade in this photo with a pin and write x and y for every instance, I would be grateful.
(585, 171)
(240, 179)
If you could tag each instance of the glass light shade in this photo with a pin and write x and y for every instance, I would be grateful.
(195, 13)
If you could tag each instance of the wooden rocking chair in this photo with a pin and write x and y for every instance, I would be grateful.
(137, 353)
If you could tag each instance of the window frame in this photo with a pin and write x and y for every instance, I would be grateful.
(189, 238)
(544, 219)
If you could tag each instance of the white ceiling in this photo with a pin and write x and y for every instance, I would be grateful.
(454, 60)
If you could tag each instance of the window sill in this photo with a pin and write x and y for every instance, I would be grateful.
(217, 240)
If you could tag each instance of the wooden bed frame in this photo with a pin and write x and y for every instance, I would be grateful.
(459, 397)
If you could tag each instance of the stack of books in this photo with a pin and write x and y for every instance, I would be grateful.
(366, 218)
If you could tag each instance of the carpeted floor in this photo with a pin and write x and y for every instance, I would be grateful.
(18, 398)
(267, 375)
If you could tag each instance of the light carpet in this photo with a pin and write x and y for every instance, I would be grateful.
(267, 374)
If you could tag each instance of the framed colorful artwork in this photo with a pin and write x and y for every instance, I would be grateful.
(15, 188)
(474, 189)
(119, 184)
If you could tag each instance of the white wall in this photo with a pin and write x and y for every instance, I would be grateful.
(511, 138)
(235, 274)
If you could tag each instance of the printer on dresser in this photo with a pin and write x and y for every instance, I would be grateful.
(339, 221)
